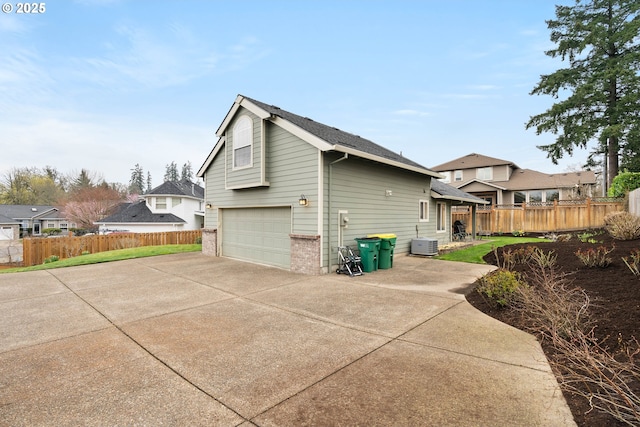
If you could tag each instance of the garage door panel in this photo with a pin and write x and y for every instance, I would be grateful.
(257, 234)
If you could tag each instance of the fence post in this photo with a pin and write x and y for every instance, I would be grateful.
(588, 212)
(555, 215)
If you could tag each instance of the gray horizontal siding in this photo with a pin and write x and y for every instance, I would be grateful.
(291, 169)
(360, 186)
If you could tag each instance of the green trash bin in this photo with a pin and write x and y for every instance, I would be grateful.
(369, 248)
(387, 245)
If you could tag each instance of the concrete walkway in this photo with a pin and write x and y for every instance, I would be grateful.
(190, 340)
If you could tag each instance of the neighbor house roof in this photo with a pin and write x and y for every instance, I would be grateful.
(138, 212)
(526, 179)
(183, 187)
(323, 137)
(19, 212)
(440, 190)
(472, 161)
(6, 220)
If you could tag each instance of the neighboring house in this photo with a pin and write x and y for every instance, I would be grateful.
(33, 219)
(502, 182)
(9, 228)
(171, 206)
(287, 191)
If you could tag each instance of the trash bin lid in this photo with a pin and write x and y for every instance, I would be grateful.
(383, 235)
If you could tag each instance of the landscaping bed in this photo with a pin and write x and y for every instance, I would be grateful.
(614, 309)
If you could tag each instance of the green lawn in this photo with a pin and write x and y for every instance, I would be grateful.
(474, 254)
(117, 255)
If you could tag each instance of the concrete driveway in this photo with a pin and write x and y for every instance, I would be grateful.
(191, 340)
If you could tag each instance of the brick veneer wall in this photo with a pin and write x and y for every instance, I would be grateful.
(305, 254)
(210, 241)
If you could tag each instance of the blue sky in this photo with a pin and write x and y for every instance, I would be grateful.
(106, 84)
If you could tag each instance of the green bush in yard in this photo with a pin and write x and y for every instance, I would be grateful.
(500, 286)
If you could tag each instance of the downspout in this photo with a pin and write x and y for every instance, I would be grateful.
(344, 157)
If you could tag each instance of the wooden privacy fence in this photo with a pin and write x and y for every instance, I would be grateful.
(36, 249)
(560, 215)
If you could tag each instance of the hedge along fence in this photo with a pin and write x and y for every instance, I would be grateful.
(560, 215)
(36, 250)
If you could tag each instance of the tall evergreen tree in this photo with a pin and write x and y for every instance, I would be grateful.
(136, 183)
(171, 173)
(187, 172)
(600, 88)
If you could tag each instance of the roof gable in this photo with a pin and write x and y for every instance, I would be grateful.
(472, 161)
(323, 137)
(183, 187)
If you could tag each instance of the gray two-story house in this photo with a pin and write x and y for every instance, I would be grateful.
(284, 190)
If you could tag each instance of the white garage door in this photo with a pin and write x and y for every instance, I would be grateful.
(6, 233)
(257, 234)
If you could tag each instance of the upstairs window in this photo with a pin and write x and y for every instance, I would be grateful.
(485, 174)
(161, 203)
(242, 143)
(457, 175)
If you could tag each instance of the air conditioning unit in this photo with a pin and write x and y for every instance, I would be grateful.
(424, 246)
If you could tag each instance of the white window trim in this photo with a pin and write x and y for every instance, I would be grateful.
(444, 217)
(243, 119)
(455, 175)
(420, 210)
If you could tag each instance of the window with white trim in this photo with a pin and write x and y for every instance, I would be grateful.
(161, 203)
(457, 175)
(424, 211)
(447, 177)
(243, 143)
(441, 217)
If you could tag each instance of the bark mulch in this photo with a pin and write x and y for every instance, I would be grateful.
(614, 293)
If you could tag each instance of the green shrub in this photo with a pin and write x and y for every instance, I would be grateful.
(51, 231)
(598, 257)
(623, 183)
(500, 286)
(198, 240)
(622, 225)
(52, 258)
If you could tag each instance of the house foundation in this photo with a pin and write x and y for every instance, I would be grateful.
(305, 254)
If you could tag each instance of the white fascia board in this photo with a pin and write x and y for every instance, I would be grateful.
(386, 161)
(212, 155)
(308, 137)
(480, 182)
(458, 199)
(241, 102)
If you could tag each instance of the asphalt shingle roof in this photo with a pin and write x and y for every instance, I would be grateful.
(471, 161)
(139, 212)
(336, 136)
(452, 192)
(180, 188)
(27, 211)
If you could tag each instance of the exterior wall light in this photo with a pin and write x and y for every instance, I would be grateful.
(303, 200)
(209, 205)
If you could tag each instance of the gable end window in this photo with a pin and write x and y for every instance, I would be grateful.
(424, 211)
(243, 143)
(457, 175)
